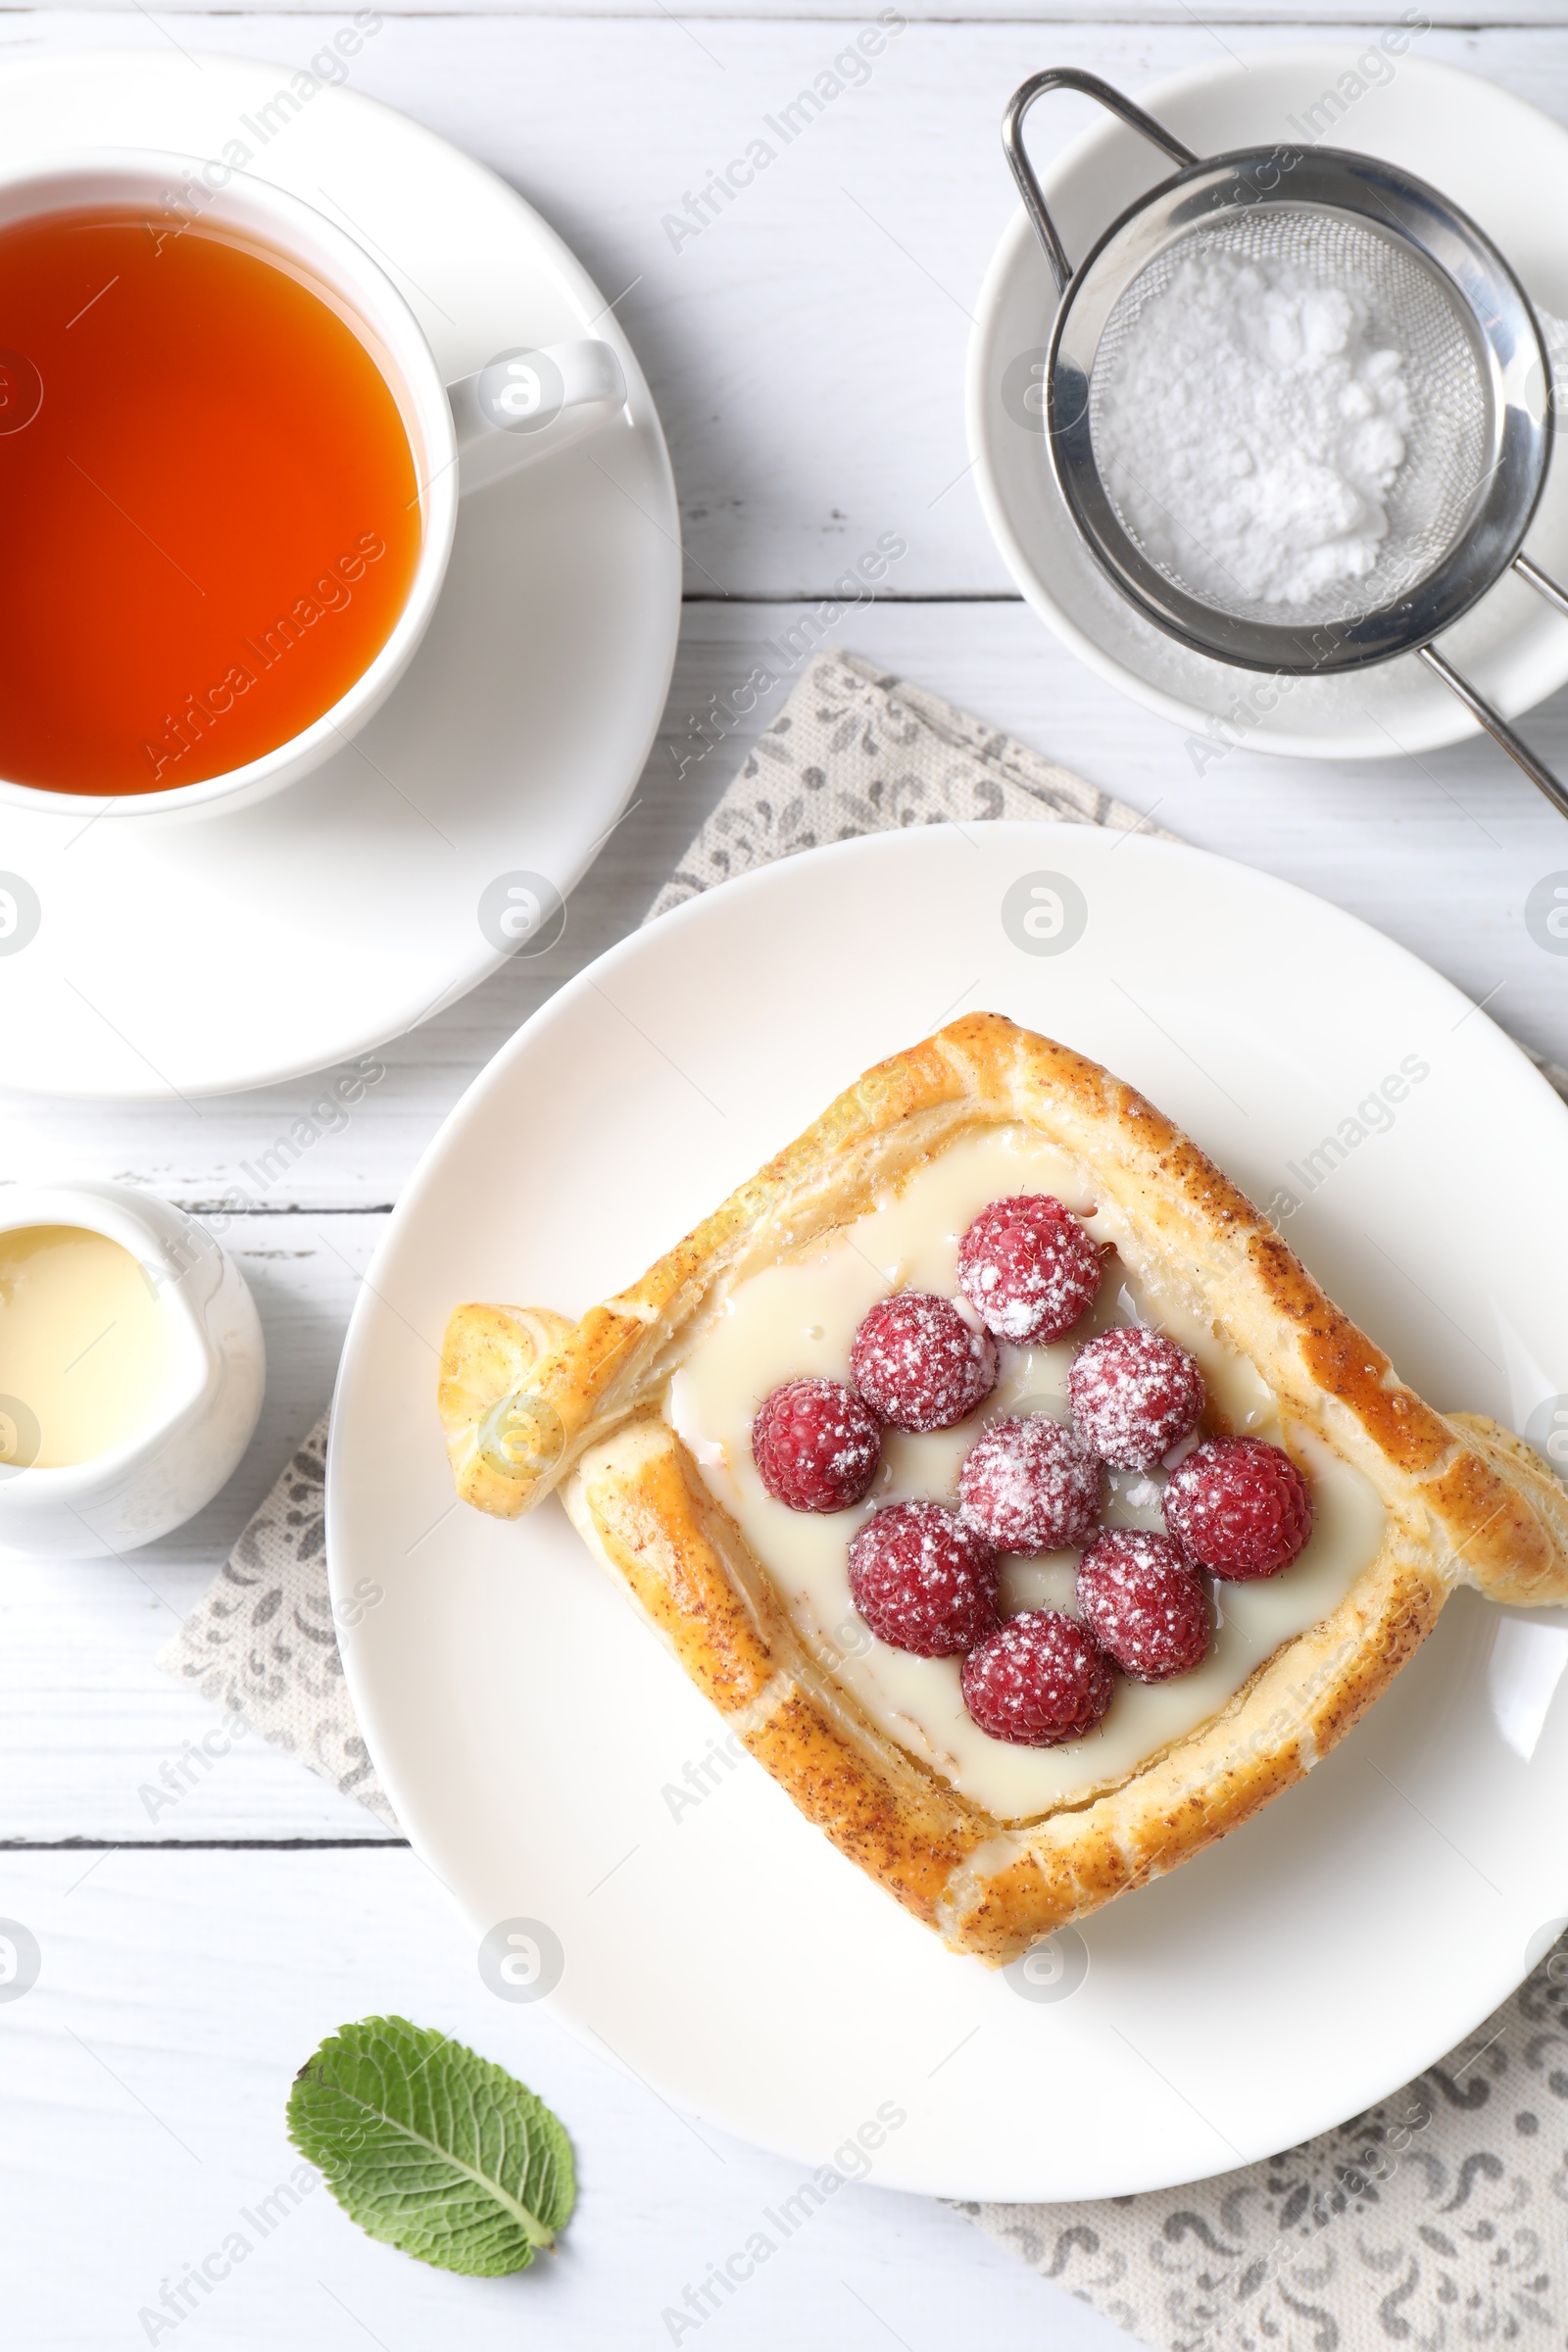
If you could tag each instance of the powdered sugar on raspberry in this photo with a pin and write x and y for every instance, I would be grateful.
(1029, 1268)
(1032, 1485)
(1145, 1603)
(1040, 1680)
(1134, 1394)
(924, 1580)
(1240, 1506)
(816, 1446)
(918, 1364)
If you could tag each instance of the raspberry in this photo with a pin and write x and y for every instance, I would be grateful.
(1029, 1268)
(1134, 1393)
(1145, 1602)
(1032, 1485)
(1240, 1506)
(815, 1446)
(1041, 1679)
(918, 1364)
(924, 1580)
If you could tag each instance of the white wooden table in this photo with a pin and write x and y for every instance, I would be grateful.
(807, 353)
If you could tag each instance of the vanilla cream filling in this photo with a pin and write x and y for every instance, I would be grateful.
(797, 1318)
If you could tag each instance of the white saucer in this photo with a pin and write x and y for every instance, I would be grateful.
(1501, 160)
(531, 1731)
(247, 947)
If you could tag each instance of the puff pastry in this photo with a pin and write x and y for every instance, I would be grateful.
(532, 1403)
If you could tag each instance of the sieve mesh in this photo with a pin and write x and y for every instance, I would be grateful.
(1410, 309)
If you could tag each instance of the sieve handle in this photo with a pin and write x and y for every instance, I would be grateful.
(1540, 582)
(1497, 729)
(1069, 77)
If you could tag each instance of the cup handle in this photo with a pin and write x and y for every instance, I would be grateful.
(527, 404)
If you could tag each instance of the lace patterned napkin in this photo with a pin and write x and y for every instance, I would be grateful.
(262, 1642)
(1435, 2220)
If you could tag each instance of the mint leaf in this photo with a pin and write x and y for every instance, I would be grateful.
(431, 2148)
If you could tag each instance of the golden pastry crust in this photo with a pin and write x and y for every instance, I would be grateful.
(532, 1403)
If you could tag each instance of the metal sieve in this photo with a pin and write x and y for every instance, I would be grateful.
(1429, 282)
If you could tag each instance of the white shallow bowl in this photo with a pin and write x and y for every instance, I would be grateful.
(1503, 163)
(530, 1730)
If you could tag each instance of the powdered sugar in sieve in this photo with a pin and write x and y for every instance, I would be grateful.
(1282, 406)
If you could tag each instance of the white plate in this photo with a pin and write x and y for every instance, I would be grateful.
(254, 945)
(528, 1727)
(1498, 159)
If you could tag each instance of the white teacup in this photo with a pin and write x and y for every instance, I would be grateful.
(527, 404)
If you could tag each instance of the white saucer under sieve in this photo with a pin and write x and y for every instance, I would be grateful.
(1427, 279)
